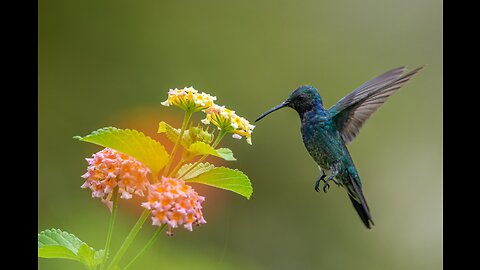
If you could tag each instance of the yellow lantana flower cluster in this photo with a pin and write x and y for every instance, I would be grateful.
(225, 119)
(189, 99)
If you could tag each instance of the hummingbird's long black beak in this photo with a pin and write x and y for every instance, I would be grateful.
(279, 106)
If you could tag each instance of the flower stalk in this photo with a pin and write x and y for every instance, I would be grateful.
(110, 226)
(147, 246)
(186, 119)
(129, 239)
(179, 165)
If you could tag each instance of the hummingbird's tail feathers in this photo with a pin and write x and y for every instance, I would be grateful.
(360, 205)
(352, 111)
(364, 214)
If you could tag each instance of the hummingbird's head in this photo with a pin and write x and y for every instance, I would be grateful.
(302, 99)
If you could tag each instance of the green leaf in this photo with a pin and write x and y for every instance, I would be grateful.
(57, 252)
(55, 243)
(226, 154)
(98, 256)
(131, 142)
(86, 254)
(171, 132)
(197, 170)
(201, 148)
(225, 178)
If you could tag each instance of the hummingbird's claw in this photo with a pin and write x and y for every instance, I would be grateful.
(317, 183)
(326, 187)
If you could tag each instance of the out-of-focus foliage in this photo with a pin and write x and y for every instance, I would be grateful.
(62, 245)
(111, 63)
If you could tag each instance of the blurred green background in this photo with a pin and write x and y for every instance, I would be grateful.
(111, 63)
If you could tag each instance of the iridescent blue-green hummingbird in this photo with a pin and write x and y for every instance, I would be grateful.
(325, 132)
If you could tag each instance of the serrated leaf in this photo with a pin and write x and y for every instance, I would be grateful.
(57, 244)
(131, 142)
(201, 148)
(98, 256)
(89, 256)
(171, 132)
(86, 254)
(197, 170)
(226, 154)
(57, 252)
(225, 178)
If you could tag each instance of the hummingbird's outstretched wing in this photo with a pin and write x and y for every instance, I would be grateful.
(350, 112)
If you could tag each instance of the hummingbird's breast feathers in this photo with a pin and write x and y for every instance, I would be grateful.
(322, 139)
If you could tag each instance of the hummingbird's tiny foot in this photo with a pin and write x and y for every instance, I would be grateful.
(326, 187)
(317, 183)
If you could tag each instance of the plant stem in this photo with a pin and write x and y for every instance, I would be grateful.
(176, 168)
(186, 118)
(179, 165)
(221, 133)
(147, 246)
(130, 237)
(110, 226)
(217, 141)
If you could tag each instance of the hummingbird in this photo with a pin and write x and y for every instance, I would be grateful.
(326, 132)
